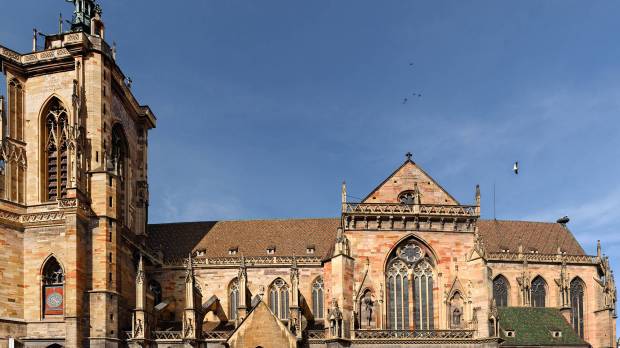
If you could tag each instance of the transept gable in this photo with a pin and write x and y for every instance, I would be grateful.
(411, 179)
(262, 319)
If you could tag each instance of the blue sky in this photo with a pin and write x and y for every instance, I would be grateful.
(265, 107)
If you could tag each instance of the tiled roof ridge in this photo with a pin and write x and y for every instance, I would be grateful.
(326, 218)
(244, 220)
(526, 221)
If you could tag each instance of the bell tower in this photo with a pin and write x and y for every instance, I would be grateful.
(73, 185)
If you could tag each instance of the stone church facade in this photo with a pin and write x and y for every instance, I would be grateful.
(408, 265)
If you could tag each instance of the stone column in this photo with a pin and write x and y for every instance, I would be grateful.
(242, 277)
(192, 314)
(295, 310)
(342, 281)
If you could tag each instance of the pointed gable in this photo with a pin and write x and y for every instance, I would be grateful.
(404, 179)
(261, 328)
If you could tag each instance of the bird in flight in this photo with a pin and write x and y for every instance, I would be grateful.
(410, 63)
(417, 94)
(405, 101)
(515, 168)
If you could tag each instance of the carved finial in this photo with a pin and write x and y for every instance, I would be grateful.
(140, 272)
(478, 195)
(344, 192)
(409, 155)
(294, 264)
(598, 249)
(60, 23)
(35, 33)
(417, 196)
(114, 50)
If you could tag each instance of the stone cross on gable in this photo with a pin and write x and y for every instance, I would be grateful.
(408, 155)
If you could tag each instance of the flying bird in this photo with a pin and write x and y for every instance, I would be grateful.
(405, 101)
(410, 63)
(417, 95)
(515, 168)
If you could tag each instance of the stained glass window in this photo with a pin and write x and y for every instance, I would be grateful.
(538, 292)
(500, 291)
(317, 298)
(576, 303)
(279, 298)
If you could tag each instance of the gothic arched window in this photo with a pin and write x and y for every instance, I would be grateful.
(119, 163)
(55, 151)
(53, 280)
(423, 295)
(539, 292)
(500, 291)
(317, 298)
(233, 299)
(278, 298)
(577, 289)
(409, 278)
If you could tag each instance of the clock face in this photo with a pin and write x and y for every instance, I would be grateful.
(54, 300)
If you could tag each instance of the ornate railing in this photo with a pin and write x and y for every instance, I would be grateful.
(216, 335)
(412, 209)
(316, 334)
(167, 335)
(534, 257)
(250, 261)
(413, 334)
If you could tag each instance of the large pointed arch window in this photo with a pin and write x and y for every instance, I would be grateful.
(233, 299)
(317, 298)
(119, 163)
(53, 280)
(539, 292)
(500, 291)
(55, 151)
(577, 290)
(278, 298)
(409, 286)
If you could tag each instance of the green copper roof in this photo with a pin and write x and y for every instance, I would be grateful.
(534, 326)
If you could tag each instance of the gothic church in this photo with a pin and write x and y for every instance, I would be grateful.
(409, 265)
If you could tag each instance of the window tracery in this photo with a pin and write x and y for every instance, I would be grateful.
(55, 150)
(278, 299)
(577, 290)
(409, 286)
(538, 292)
(500, 291)
(317, 298)
(233, 298)
(119, 163)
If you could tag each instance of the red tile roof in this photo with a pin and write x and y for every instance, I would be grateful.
(543, 237)
(252, 237)
(293, 236)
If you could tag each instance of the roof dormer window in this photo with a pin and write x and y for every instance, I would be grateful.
(310, 249)
(271, 250)
(233, 250)
(556, 333)
(509, 333)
